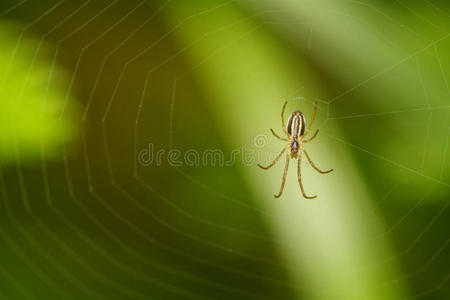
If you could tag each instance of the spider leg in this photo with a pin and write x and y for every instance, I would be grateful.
(299, 172)
(274, 161)
(312, 119)
(284, 177)
(277, 136)
(283, 124)
(314, 166)
(311, 138)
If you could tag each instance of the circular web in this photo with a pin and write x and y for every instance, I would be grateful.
(94, 221)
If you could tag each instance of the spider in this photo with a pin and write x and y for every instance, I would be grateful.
(295, 131)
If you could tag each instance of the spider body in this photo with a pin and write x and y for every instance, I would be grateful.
(295, 131)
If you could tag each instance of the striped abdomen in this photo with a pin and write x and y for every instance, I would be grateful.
(296, 125)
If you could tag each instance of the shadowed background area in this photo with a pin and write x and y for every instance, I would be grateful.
(130, 133)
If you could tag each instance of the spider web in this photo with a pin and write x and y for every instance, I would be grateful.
(99, 226)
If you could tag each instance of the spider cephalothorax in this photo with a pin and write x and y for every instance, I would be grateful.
(295, 130)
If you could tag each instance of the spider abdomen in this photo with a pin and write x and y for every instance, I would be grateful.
(295, 126)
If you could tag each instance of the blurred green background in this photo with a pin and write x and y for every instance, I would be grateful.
(87, 86)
